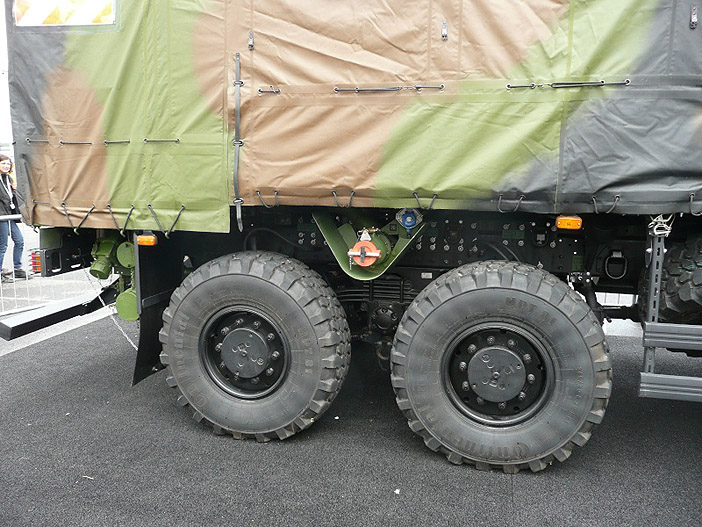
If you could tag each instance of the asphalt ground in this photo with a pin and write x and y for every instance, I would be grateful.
(80, 446)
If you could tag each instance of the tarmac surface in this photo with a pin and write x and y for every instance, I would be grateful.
(80, 446)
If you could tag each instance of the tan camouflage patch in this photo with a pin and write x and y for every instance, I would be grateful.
(72, 173)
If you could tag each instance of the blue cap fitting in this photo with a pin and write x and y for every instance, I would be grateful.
(409, 220)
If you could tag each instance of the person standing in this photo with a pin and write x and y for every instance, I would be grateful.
(8, 206)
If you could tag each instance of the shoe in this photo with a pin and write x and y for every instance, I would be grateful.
(20, 273)
(6, 272)
(6, 279)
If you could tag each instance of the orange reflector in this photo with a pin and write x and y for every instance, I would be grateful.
(35, 262)
(146, 240)
(571, 223)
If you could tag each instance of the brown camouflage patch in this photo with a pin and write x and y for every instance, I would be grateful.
(72, 173)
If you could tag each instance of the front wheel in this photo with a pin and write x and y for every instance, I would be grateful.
(256, 343)
(500, 364)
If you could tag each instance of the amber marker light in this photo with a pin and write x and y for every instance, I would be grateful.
(569, 223)
(146, 240)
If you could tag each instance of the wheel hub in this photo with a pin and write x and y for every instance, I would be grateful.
(246, 353)
(496, 374)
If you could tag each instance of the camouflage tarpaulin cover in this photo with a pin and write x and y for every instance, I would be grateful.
(135, 109)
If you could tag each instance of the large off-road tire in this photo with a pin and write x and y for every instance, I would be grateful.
(681, 287)
(501, 365)
(257, 345)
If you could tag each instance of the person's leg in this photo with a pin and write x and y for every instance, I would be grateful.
(18, 240)
(4, 232)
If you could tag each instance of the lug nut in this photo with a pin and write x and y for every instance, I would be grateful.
(462, 366)
(480, 401)
(502, 406)
(472, 348)
(465, 386)
(275, 355)
(527, 358)
(531, 378)
(218, 347)
(521, 396)
(269, 372)
(256, 324)
(255, 380)
(239, 321)
(222, 365)
(491, 340)
(224, 331)
(270, 337)
(511, 343)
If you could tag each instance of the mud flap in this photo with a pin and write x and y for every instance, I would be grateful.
(159, 270)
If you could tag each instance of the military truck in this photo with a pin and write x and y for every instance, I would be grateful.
(452, 181)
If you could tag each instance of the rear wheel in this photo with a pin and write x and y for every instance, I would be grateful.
(256, 343)
(501, 365)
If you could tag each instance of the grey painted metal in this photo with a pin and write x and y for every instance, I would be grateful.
(655, 256)
(676, 387)
(675, 336)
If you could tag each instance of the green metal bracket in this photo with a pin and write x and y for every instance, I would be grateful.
(340, 239)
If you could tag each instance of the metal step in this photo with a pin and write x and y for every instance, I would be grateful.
(677, 387)
(672, 336)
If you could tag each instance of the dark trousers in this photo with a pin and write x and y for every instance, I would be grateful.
(11, 228)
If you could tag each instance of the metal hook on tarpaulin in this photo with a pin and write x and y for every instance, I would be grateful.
(182, 208)
(614, 205)
(617, 198)
(275, 195)
(516, 207)
(84, 218)
(336, 198)
(68, 217)
(109, 209)
(166, 233)
(153, 213)
(129, 215)
(419, 203)
(65, 211)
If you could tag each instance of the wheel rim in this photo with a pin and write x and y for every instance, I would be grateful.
(244, 352)
(498, 374)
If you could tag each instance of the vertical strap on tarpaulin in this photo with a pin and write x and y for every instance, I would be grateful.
(238, 143)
